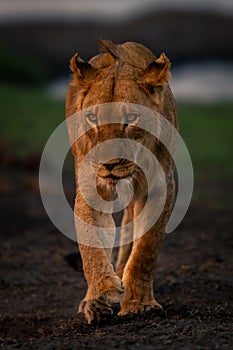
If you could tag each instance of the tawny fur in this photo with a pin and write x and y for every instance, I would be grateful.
(122, 73)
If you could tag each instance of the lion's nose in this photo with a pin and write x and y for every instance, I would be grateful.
(110, 165)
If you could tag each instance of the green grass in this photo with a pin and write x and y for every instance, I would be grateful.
(28, 117)
(207, 132)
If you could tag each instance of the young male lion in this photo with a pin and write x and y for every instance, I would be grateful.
(130, 74)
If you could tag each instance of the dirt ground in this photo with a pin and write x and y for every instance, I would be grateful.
(40, 290)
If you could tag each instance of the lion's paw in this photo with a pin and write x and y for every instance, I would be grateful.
(99, 306)
(138, 307)
(96, 309)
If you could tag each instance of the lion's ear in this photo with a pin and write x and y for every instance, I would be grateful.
(82, 70)
(158, 73)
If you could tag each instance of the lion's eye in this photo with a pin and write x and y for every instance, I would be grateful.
(132, 118)
(92, 118)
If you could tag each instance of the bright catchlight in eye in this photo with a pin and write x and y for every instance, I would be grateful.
(132, 118)
(92, 118)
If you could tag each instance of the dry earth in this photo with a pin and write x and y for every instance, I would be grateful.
(40, 290)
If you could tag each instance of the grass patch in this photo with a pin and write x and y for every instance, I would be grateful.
(207, 132)
(28, 117)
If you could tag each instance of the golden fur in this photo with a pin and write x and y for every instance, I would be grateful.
(121, 73)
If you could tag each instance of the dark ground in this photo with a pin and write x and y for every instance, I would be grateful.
(40, 291)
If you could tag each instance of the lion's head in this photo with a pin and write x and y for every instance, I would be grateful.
(128, 73)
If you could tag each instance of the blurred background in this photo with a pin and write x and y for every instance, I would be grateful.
(37, 40)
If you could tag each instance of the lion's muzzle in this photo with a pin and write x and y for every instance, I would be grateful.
(114, 168)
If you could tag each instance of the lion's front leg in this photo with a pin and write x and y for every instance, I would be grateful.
(138, 273)
(104, 286)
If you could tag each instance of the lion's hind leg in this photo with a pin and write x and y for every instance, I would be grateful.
(125, 241)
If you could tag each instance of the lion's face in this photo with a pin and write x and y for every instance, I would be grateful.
(113, 121)
(136, 77)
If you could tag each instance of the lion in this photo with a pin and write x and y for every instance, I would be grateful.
(132, 74)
